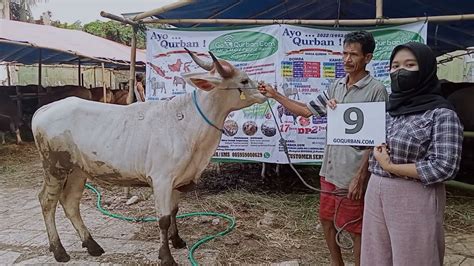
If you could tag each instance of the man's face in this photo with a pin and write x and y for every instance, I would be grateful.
(354, 59)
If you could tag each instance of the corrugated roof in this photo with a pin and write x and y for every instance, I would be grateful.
(23, 42)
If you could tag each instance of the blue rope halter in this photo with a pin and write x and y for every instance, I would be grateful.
(223, 130)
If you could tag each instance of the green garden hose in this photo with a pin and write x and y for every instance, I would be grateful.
(201, 241)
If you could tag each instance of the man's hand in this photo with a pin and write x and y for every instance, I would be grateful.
(356, 187)
(267, 90)
(332, 103)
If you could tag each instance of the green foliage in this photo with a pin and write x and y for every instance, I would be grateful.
(115, 31)
(74, 26)
(20, 11)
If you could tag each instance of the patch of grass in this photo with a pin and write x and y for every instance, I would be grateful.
(459, 213)
(7, 170)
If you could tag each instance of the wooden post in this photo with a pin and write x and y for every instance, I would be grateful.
(95, 79)
(104, 91)
(40, 65)
(379, 9)
(18, 102)
(133, 56)
(110, 79)
(9, 81)
(79, 71)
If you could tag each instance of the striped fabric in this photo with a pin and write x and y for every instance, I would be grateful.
(318, 106)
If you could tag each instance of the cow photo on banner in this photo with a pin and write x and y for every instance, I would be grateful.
(301, 61)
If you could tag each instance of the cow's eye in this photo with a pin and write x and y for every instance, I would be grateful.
(245, 81)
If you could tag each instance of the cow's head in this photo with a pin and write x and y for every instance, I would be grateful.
(225, 79)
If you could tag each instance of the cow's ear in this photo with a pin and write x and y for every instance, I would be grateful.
(203, 81)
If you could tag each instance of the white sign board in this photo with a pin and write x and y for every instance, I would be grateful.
(356, 124)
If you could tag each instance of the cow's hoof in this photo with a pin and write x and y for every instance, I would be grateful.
(92, 247)
(178, 243)
(169, 262)
(60, 254)
(165, 256)
(62, 257)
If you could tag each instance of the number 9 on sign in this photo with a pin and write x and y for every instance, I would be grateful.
(356, 124)
(353, 116)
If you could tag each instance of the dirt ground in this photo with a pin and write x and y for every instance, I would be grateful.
(276, 216)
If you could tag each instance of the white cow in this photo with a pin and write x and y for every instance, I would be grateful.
(166, 145)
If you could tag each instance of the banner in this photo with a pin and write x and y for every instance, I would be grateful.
(301, 61)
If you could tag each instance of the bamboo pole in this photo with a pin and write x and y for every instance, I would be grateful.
(79, 71)
(379, 9)
(117, 18)
(104, 91)
(18, 93)
(95, 79)
(469, 134)
(19, 105)
(40, 65)
(162, 9)
(330, 22)
(9, 79)
(133, 56)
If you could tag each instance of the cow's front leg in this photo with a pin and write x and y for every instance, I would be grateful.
(165, 253)
(177, 241)
(164, 201)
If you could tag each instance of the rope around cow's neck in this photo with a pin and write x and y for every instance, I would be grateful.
(209, 122)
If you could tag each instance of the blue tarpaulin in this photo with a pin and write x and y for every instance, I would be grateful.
(442, 37)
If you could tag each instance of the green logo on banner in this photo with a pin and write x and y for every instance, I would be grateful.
(266, 155)
(387, 39)
(244, 46)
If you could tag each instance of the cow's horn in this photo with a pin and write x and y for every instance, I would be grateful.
(199, 62)
(220, 68)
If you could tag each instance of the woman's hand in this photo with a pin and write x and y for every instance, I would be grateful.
(381, 154)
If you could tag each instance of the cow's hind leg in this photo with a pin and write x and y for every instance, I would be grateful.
(70, 200)
(16, 129)
(18, 136)
(176, 240)
(48, 198)
(164, 201)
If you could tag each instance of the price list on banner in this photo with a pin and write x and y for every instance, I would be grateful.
(301, 69)
(333, 70)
